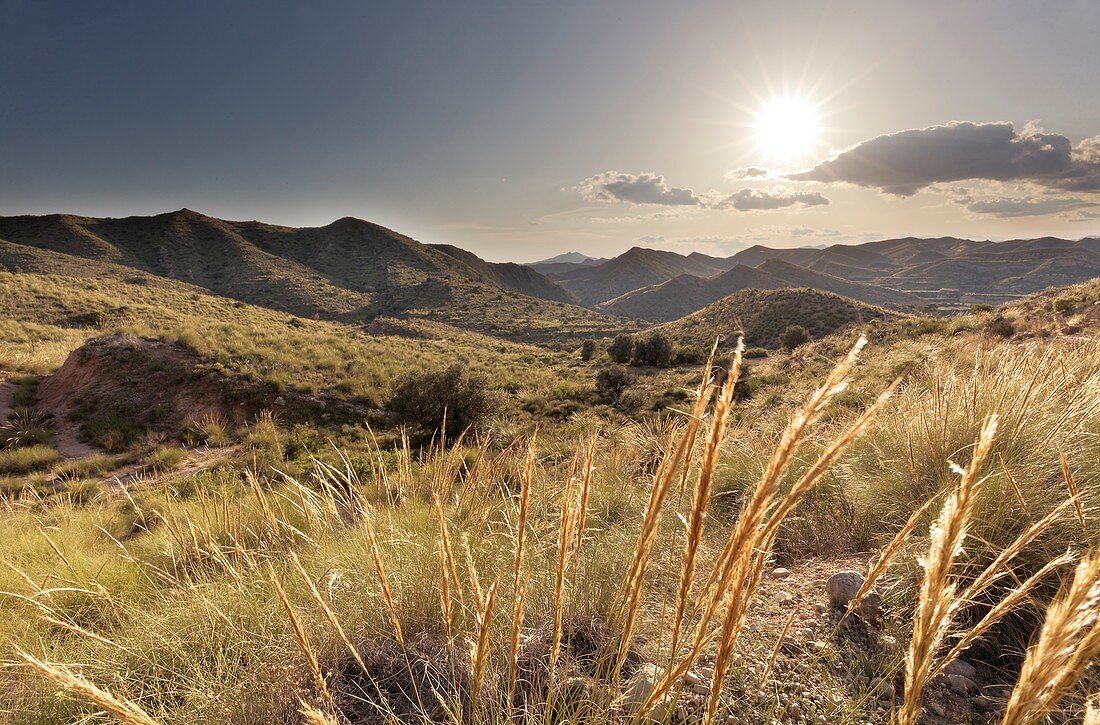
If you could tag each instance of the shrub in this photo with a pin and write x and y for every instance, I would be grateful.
(589, 349)
(210, 430)
(1063, 304)
(654, 349)
(794, 336)
(1001, 327)
(688, 356)
(612, 382)
(755, 352)
(981, 307)
(423, 401)
(621, 348)
(164, 458)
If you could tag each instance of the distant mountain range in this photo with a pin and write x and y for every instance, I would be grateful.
(354, 271)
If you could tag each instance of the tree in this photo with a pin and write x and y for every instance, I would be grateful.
(423, 400)
(655, 349)
(794, 336)
(621, 348)
(612, 382)
(589, 348)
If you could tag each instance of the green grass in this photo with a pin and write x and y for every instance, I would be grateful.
(28, 459)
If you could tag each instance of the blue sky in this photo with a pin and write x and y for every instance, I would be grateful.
(523, 129)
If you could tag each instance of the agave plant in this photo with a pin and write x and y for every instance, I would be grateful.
(26, 427)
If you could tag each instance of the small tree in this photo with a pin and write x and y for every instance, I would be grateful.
(589, 348)
(655, 349)
(621, 348)
(423, 400)
(794, 336)
(612, 382)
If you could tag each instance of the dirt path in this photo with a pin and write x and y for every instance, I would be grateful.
(66, 439)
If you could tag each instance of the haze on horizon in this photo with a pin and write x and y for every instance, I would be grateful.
(523, 130)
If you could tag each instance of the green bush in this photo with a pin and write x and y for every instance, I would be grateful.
(165, 458)
(589, 349)
(1063, 304)
(612, 382)
(755, 352)
(794, 336)
(423, 401)
(621, 348)
(654, 349)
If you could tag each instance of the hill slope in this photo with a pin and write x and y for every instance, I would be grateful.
(763, 315)
(350, 270)
(685, 294)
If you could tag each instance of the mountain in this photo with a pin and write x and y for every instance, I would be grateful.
(635, 268)
(763, 315)
(946, 269)
(564, 263)
(684, 294)
(350, 270)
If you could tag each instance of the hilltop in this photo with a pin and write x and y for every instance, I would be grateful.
(763, 315)
(637, 267)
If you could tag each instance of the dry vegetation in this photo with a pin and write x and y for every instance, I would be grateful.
(541, 576)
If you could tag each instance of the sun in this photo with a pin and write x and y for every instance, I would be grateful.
(787, 128)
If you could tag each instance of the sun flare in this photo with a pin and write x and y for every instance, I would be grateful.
(787, 128)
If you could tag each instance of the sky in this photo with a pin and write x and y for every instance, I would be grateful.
(520, 130)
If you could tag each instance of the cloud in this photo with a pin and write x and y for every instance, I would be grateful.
(635, 189)
(1007, 208)
(903, 163)
(761, 199)
(752, 172)
(714, 246)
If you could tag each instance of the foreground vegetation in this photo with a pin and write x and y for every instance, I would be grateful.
(620, 559)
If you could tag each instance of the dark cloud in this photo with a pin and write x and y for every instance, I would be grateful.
(752, 172)
(903, 163)
(1007, 208)
(635, 189)
(761, 199)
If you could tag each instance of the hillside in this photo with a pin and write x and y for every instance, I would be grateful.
(684, 294)
(635, 268)
(763, 315)
(947, 270)
(350, 270)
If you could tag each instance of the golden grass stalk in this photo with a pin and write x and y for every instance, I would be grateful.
(630, 594)
(330, 615)
(1071, 484)
(736, 573)
(589, 461)
(938, 603)
(1092, 711)
(566, 529)
(1015, 486)
(1068, 642)
(699, 407)
(700, 500)
(313, 716)
(776, 648)
(302, 640)
(448, 553)
(481, 652)
(126, 711)
(887, 556)
(998, 611)
(383, 580)
(518, 588)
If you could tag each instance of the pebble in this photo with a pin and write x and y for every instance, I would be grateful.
(780, 573)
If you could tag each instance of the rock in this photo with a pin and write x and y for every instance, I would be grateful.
(640, 686)
(780, 573)
(280, 401)
(883, 690)
(961, 684)
(843, 586)
(935, 708)
(985, 703)
(784, 599)
(574, 691)
(790, 646)
(870, 607)
(961, 667)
